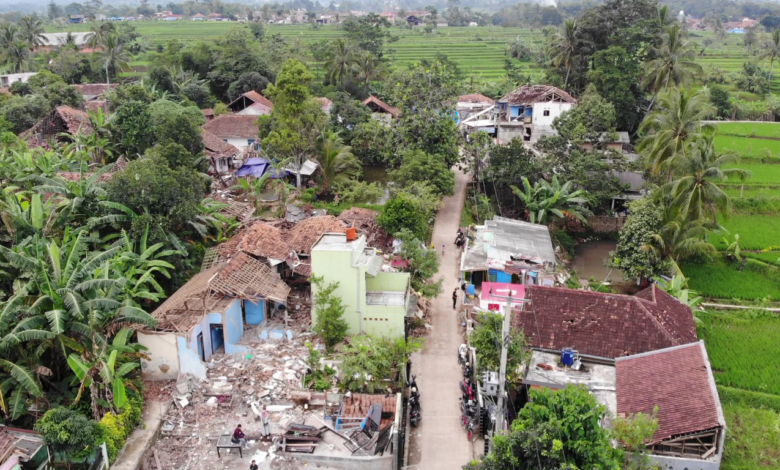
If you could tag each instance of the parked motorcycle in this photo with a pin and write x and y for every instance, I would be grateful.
(415, 414)
(413, 391)
(467, 423)
(467, 372)
(462, 355)
(466, 389)
(468, 407)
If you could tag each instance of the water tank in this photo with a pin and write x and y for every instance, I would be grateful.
(351, 234)
(470, 290)
(567, 356)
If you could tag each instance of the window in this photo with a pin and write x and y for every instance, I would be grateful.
(546, 112)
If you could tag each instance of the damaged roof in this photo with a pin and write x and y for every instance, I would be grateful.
(678, 381)
(217, 146)
(305, 233)
(378, 105)
(90, 91)
(501, 241)
(358, 215)
(227, 126)
(605, 325)
(475, 98)
(247, 278)
(531, 94)
(262, 239)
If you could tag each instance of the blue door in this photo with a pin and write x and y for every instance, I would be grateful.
(217, 337)
(255, 313)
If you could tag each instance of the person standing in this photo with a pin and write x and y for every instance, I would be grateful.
(253, 466)
(455, 298)
(265, 421)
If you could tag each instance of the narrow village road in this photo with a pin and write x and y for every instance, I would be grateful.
(440, 443)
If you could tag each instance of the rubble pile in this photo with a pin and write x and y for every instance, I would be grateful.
(420, 325)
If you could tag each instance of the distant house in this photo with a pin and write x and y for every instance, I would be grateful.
(417, 18)
(251, 103)
(471, 104)
(9, 79)
(222, 155)
(376, 302)
(325, 104)
(173, 17)
(239, 131)
(208, 316)
(198, 17)
(605, 325)
(380, 110)
(61, 120)
(214, 17)
(616, 141)
(325, 19)
(529, 112)
(388, 15)
(94, 91)
(76, 19)
(52, 40)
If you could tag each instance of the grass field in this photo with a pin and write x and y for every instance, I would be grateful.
(756, 232)
(750, 129)
(748, 148)
(718, 279)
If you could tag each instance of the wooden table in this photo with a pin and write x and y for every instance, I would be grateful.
(226, 442)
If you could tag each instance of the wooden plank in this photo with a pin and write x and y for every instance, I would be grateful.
(157, 460)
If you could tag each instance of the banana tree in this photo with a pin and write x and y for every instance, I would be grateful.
(98, 367)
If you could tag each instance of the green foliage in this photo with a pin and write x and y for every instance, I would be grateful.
(677, 288)
(486, 338)
(422, 263)
(547, 202)
(320, 378)
(740, 347)
(132, 125)
(67, 432)
(721, 100)
(370, 32)
(719, 279)
(24, 112)
(752, 438)
(352, 191)
(403, 212)
(556, 429)
(373, 364)
(752, 79)
(592, 120)
(417, 166)
(632, 433)
(644, 220)
(739, 397)
(114, 429)
(329, 308)
(373, 143)
(174, 154)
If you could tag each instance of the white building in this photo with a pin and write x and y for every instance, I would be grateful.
(11, 78)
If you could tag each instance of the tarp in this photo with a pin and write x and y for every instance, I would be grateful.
(307, 168)
(254, 167)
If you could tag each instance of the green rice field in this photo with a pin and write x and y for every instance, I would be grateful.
(756, 231)
(747, 147)
(749, 129)
(718, 279)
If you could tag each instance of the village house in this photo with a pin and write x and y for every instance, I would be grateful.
(251, 103)
(53, 40)
(9, 79)
(198, 17)
(214, 17)
(94, 95)
(76, 19)
(239, 131)
(61, 120)
(474, 103)
(208, 316)
(381, 111)
(676, 381)
(222, 156)
(376, 302)
(506, 251)
(417, 18)
(529, 112)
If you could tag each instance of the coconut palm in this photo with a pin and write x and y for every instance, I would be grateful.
(337, 163)
(679, 239)
(694, 191)
(114, 56)
(564, 47)
(341, 56)
(771, 51)
(676, 118)
(368, 67)
(17, 56)
(99, 32)
(674, 62)
(9, 33)
(31, 29)
(545, 201)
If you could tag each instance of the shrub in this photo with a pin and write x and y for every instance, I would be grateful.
(330, 323)
(68, 432)
(402, 212)
(114, 429)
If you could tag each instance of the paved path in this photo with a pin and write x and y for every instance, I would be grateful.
(140, 439)
(440, 442)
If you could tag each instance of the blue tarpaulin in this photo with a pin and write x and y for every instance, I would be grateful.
(255, 167)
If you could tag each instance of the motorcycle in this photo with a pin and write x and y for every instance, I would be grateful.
(467, 423)
(413, 391)
(466, 390)
(468, 407)
(467, 372)
(414, 411)
(462, 355)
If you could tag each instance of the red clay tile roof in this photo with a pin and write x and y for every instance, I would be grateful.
(260, 108)
(207, 112)
(255, 97)
(676, 380)
(474, 98)
(74, 119)
(357, 215)
(378, 105)
(94, 89)
(358, 404)
(261, 239)
(306, 232)
(606, 325)
(531, 94)
(217, 146)
(233, 126)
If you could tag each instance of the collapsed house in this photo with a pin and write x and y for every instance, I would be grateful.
(21, 449)
(208, 315)
(507, 250)
(380, 110)
(251, 103)
(61, 122)
(240, 131)
(222, 156)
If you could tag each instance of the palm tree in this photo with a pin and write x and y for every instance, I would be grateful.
(665, 17)
(32, 31)
(369, 67)
(679, 239)
(99, 33)
(544, 201)
(340, 59)
(676, 118)
(564, 47)
(337, 163)
(9, 33)
(114, 55)
(695, 193)
(674, 62)
(771, 51)
(17, 56)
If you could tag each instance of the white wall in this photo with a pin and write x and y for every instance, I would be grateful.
(163, 363)
(556, 109)
(240, 144)
(250, 111)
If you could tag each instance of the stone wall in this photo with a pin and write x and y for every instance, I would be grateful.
(606, 224)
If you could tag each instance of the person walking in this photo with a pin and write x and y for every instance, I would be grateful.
(455, 298)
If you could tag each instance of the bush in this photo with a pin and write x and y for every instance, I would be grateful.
(114, 429)
(402, 212)
(330, 323)
(68, 432)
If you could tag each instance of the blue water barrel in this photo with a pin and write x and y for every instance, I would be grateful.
(567, 356)
(470, 289)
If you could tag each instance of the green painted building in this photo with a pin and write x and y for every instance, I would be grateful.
(376, 302)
